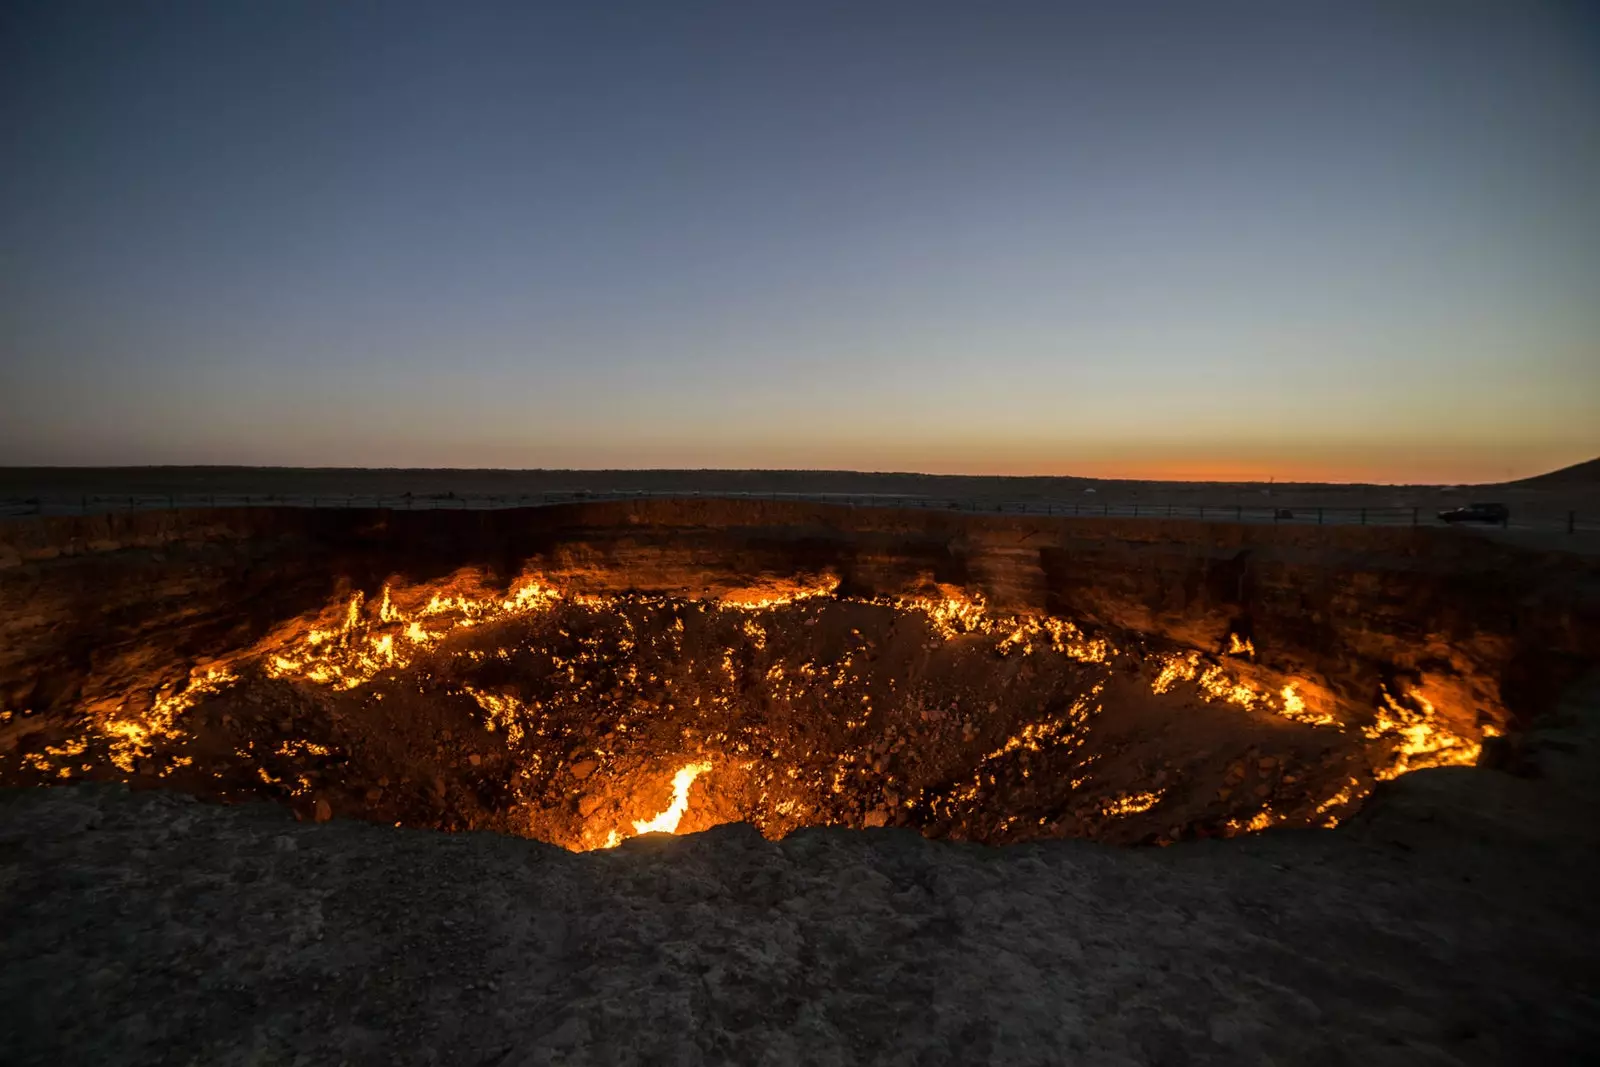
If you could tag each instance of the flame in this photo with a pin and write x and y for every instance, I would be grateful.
(357, 650)
(667, 821)
(502, 712)
(1346, 794)
(1237, 647)
(777, 594)
(1130, 804)
(1294, 707)
(1175, 669)
(134, 739)
(1422, 741)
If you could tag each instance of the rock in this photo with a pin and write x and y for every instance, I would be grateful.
(474, 759)
(587, 803)
(438, 786)
(322, 809)
(374, 794)
(583, 768)
(876, 817)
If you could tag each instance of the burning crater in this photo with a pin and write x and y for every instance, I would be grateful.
(641, 673)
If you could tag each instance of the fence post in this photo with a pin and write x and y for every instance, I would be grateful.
(1572, 521)
(1413, 516)
(83, 503)
(1136, 511)
(1238, 513)
(1319, 516)
(1363, 516)
(1202, 511)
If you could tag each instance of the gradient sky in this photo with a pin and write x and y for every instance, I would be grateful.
(1343, 241)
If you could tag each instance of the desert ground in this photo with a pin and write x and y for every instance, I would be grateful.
(1539, 506)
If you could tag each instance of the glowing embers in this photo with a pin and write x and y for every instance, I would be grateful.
(667, 822)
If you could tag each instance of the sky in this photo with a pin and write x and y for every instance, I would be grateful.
(1339, 241)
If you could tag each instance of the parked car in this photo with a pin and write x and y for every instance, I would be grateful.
(1497, 513)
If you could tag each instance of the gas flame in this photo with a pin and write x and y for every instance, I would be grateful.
(667, 821)
(1422, 740)
(1130, 804)
(133, 739)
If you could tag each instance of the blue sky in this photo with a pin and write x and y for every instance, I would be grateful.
(1347, 241)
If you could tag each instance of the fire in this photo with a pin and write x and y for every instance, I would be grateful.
(667, 821)
(1294, 707)
(1244, 648)
(951, 614)
(776, 594)
(1130, 804)
(1422, 740)
(133, 739)
(360, 647)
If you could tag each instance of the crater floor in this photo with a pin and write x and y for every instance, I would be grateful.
(583, 719)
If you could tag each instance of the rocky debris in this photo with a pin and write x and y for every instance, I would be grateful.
(1452, 921)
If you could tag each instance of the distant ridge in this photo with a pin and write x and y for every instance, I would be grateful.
(1579, 474)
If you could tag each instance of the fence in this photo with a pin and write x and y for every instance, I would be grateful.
(89, 504)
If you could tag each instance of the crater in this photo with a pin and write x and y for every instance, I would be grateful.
(585, 674)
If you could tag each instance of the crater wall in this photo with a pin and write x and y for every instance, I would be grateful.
(1494, 631)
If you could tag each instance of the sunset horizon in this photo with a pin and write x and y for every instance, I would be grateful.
(1343, 244)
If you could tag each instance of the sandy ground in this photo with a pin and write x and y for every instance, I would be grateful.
(1454, 923)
